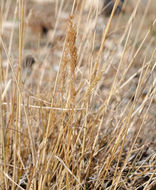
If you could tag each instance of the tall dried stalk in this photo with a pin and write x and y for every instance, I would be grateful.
(2, 140)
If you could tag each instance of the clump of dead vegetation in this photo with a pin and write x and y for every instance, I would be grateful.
(77, 96)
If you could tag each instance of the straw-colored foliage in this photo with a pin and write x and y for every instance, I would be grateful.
(77, 95)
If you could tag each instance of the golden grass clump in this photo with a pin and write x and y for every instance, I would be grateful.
(77, 96)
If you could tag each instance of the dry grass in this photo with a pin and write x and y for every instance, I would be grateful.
(78, 96)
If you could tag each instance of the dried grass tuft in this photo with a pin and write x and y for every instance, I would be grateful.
(85, 118)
